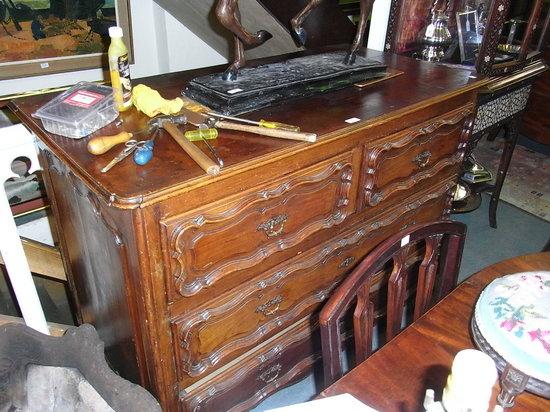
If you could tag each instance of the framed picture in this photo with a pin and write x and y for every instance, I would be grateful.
(50, 36)
(469, 39)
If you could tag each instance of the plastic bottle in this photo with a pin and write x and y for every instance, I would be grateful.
(119, 67)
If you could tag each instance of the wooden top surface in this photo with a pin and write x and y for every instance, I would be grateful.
(171, 169)
(396, 377)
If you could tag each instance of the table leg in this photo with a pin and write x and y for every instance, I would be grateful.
(511, 138)
(16, 141)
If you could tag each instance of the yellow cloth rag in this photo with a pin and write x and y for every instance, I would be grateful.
(150, 102)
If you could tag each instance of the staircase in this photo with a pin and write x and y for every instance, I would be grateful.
(328, 24)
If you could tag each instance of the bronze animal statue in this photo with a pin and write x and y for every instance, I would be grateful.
(227, 12)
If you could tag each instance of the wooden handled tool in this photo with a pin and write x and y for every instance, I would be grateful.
(197, 119)
(193, 151)
(102, 144)
(281, 134)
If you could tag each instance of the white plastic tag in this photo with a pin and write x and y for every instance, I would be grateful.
(405, 240)
(352, 120)
(233, 91)
(44, 65)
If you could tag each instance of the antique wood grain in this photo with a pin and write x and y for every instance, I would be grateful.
(129, 185)
(396, 377)
(421, 153)
(279, 363)
(535, 122)
(268, 219)
(274, 300)
(183, 273)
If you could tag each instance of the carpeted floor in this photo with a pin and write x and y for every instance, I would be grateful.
(527, 184)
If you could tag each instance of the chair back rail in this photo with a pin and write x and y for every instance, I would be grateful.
(437, 276)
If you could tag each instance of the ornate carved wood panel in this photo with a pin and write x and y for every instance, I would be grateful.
(410, 157)
(192, 279)
(215, 241)
(289, 291)
(259, 374)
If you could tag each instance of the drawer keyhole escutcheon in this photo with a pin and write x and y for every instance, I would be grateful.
(270, 374)
(274, 226)
(270, 307)
(346, 262)
(422, 159)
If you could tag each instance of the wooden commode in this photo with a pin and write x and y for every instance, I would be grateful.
(206, 290)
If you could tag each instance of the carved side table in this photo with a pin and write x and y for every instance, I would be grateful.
(500, 107)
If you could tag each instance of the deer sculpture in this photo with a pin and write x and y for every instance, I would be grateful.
(227, 12)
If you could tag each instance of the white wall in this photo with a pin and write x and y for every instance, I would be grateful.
(161, 45)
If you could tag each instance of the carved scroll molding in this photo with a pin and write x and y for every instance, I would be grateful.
(194, 366)
(258, 365)
(187, 327)
(425, 130)
(183, 235)
(420, 136)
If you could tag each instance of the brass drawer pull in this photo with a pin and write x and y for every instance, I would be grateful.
(270, 374)
(346, 262)
(423, 158)
(270, 307)
(274, 226)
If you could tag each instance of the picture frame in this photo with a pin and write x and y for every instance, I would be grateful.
(41, 37)
(469, 38)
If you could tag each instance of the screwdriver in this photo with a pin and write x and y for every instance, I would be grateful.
(262, 123)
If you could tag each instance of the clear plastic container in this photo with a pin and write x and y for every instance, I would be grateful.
(79, 111)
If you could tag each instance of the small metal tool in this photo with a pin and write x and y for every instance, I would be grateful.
(205, 127)
(131, 145)
(262, 123)
(199, 118)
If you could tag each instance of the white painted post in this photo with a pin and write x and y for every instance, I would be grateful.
(16, 141)
(379, 24)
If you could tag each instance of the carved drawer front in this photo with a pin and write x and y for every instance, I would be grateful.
(207, 338)
(418, 156)
(207, 244)
(255, 376)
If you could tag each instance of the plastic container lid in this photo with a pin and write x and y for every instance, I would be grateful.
(115, 31)
(79, 111)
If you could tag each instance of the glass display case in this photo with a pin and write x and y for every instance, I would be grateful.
(495, 36)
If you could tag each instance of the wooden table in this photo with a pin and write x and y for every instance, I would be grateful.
(396, 377)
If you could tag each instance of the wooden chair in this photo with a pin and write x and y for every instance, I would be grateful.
(443, 243)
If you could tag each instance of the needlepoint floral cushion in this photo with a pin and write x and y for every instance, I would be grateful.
(513, 315)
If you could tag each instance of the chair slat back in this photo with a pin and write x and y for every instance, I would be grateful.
(443, 242)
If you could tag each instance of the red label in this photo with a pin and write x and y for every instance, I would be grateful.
(83, 98)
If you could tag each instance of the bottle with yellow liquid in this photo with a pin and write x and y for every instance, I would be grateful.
(119, 67)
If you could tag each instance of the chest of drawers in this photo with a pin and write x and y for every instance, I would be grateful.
(205, 289)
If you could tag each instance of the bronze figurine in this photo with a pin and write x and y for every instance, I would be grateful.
(227, 12)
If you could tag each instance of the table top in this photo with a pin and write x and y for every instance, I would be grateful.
(396, 377)
(171, 169)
